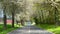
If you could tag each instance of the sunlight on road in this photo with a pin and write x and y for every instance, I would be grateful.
(29, 31)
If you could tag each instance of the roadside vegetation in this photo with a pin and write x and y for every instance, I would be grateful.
(52, 28)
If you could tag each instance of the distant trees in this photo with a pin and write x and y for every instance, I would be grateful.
(50, 11)
(53, 11)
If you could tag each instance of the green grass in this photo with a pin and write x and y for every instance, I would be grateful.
(52, 28)
(9, 28)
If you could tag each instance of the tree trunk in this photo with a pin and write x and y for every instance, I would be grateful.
(12, 19)
(5, 21)
(56, 16)
(42, 17)
(4, 18)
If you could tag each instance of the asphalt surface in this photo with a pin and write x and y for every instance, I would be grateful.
(30, 30)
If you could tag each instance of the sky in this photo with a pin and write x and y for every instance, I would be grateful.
(1, 13)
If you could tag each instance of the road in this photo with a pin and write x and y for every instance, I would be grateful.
(30, 30)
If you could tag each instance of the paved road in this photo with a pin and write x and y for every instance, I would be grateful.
(29, 30)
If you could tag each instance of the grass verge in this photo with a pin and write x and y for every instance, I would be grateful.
(9, 28)
(52, 28)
